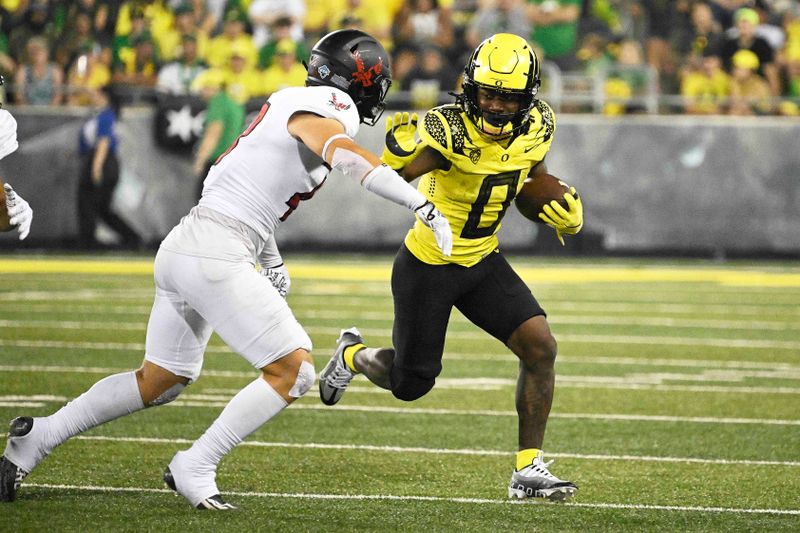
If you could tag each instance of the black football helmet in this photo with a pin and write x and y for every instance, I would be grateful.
(356, 63)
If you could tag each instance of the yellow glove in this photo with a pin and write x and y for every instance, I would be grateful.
(563, 221)
(401, 147)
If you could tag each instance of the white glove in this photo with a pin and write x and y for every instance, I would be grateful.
(20, 213)
(437, 222)
(279, 277)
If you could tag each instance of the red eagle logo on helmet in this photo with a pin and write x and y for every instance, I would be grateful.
(362, 75)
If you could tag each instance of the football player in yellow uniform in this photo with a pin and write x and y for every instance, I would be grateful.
(473, 158)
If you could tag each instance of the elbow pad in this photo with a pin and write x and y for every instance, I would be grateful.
(350, 163)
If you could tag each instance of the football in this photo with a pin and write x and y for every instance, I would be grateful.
(538, 192)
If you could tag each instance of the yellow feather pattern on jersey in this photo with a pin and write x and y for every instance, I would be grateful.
(484, 176)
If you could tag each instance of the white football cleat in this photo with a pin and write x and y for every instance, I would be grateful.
(196, 482)
(335, 377)
(536, 481)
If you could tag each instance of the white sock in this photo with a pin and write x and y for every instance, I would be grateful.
(106, 400)
(109, 398)
(250, 409)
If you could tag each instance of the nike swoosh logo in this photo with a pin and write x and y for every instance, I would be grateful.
(529, 148)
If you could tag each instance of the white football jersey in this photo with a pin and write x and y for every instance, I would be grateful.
(264, 175)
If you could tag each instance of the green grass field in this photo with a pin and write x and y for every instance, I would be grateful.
(677, 406)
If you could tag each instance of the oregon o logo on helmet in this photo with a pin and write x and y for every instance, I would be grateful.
(498, 83)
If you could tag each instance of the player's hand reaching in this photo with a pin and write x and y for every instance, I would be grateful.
(20, 213)
(562, 220)
(401, 145)
(279, 277)
(437, 222)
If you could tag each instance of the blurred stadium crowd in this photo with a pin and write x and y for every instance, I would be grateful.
(737, 57)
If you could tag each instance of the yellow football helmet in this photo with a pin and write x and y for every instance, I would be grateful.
(505, 64)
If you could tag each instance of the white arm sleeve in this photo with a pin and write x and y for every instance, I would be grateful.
(380, 180)
(8, 133)
(388, 184)
(270, 257)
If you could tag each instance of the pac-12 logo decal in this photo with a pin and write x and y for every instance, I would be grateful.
(362, 75)
(337, 105)
(475, 155)
(324, 71)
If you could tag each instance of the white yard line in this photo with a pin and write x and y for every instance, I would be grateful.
(221, 400)
(480, 356)
(587, 416)
(640, 381)
(80, 294)
(602, 320)
(21, 404)
(60, 369)
(359, 305)
(677, 388)
(74, 324)
(392, 497)
(99, 308)
(661, 307)
(361, 317)
(604, 340)
(693, 363)
(456, 451)
(345, 298)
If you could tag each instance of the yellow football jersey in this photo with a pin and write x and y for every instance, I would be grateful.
(484, 177)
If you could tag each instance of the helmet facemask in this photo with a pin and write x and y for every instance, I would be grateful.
(493, 123)
(369, 92)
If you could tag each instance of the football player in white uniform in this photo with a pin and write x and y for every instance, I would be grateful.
(18, 213)
(206, 277)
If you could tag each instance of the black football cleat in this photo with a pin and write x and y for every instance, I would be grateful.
(11, 475)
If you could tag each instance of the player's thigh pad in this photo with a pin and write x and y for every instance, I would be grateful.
(176, 335)
(242, 306)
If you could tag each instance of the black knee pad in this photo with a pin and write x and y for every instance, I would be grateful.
(408, 386)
